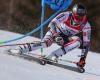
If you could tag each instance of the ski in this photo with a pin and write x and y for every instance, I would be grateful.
(41, 60)
(44, 61)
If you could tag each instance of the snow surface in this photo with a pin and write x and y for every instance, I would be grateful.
(14, 68)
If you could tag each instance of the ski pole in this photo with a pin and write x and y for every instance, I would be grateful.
(68, 61)
(17, 44)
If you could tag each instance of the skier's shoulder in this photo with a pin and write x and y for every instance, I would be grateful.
(87, 25)
(67, 13)
(64, 14)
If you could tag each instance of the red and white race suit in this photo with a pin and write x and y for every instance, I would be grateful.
(69, 30)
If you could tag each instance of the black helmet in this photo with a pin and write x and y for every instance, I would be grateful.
(79, 9)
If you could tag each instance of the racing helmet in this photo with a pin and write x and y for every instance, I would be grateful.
(79, 11)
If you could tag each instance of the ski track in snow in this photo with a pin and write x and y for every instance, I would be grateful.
(15, 68)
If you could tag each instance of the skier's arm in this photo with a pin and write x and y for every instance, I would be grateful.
(86, 39)
(62, 17)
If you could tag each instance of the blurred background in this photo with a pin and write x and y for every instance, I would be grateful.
(22, 16)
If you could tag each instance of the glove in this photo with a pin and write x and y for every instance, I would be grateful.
(59, 40)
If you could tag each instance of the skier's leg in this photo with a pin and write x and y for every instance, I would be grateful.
(28, 47)
(74, 43)
(47, 41)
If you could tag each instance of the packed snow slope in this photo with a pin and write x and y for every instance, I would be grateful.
(15, 68)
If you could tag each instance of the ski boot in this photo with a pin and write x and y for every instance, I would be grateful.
(14, 51)
(45, 60)
(81, 65)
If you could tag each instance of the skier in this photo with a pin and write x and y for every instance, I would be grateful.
(69, 30)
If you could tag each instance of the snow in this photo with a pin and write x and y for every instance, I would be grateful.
(15, 68)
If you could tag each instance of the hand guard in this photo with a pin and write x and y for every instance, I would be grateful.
(81, 62)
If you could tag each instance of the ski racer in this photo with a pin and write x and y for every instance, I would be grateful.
(69, 30)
